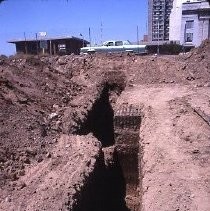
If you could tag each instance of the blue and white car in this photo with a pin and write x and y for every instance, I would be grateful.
(115, 47)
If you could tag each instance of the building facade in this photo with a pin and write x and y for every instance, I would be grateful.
(158, 19)
(175, 21)
(190, 23)
(195, 24)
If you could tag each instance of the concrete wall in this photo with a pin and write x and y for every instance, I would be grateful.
(175, 20)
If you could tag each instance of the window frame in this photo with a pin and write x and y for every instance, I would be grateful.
(189, 24)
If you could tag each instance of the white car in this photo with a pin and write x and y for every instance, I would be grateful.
(115, 47)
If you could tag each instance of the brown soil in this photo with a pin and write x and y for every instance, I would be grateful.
(174, 140)
(44, 100)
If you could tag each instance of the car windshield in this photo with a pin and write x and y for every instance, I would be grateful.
(127, 42)
(110, 44)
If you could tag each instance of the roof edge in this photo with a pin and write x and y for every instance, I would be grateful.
(48, 39)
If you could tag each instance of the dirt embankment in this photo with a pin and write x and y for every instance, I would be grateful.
(56, 182)
(40, 100)
(43, 98)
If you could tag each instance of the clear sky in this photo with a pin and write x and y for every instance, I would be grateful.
(119, 19)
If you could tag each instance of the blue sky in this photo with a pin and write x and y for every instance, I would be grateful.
(119, 19)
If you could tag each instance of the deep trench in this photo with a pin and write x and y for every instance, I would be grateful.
(100, 120)
(106, 189)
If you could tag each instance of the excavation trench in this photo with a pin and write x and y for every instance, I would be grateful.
(114, 183)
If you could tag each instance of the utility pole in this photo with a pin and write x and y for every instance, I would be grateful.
(137, 36)
(101, 33)
(90, 36)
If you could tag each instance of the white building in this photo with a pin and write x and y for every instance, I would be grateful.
(189, 22)
(175, 21)
(195, 26)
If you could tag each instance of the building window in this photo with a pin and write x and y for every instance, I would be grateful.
(189, 24)
(62, 47)
(189, 37)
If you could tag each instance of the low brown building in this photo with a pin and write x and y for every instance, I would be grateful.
(52, 46)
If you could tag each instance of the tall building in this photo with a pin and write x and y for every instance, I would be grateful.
(158, 19)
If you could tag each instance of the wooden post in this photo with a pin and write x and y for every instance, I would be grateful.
(37, 45)
(50, 47)
(25, 44)
(54, 49)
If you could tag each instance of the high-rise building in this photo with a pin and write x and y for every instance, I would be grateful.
(158, 19)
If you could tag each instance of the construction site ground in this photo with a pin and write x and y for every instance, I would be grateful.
(56, 152)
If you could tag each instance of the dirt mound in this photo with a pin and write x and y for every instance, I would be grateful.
(32, 97)
(197, 63)
(68, 165)
(204, 48)
(35, 94)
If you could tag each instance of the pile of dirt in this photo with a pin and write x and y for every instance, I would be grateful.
(32, 97)
(56, 183)
(197, 64)
(38, 98)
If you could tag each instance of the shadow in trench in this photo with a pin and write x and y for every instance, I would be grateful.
(100, 120)
(106, 190)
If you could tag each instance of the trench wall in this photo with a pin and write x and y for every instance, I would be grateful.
(127, 122)
(95, 114)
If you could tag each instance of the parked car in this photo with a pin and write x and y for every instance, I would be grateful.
(115, 47)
